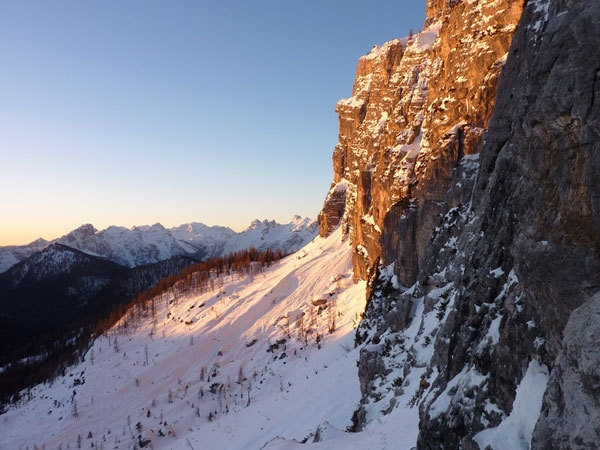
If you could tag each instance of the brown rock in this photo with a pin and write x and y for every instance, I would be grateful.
(418, 106)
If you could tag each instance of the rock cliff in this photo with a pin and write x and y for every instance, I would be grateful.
(485, 268)
(527, 255)
(418, 106)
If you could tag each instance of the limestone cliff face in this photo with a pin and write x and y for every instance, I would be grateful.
(418, 106)
(506, 285)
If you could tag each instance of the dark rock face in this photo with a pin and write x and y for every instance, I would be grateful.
(543, 150)
(528, 252)
(333, 210)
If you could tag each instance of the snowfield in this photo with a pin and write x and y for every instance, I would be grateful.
(263, 359)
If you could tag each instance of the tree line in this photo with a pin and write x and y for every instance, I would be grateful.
(52, 354)
(197, 278)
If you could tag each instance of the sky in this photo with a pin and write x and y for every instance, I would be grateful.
(136, 112)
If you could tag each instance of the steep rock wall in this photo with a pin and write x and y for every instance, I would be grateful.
(418, 106)
(528, 255)
(506, 289)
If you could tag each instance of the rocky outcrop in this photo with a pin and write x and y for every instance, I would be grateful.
(506, 267)
(418, 106)
(333, 210)
(570, 415)
(539, 179)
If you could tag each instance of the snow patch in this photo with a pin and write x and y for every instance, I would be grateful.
(541, 8)
(494, 330)
(427, 37)
(497, 272)
(377, 50)
(352, 102)
(466, 379)
(514, 432)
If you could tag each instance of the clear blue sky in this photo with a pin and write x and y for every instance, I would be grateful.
(132, 112)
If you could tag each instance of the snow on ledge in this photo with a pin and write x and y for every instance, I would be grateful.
(351, 102)
(427, 37)
(377, 50)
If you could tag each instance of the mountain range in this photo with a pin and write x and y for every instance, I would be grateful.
(143, 245)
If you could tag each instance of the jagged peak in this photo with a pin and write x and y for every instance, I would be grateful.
(86, 229)
(256, 223)
(301, 221)
(113, 228)
(198, 228)
(155, 227)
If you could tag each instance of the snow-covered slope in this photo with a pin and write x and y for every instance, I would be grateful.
(13, 254)
(143, 245)
(262, 356)
(264, 361)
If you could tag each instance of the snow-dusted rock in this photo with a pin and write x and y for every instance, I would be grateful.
(418, 106)
(129, 247)
(501, 260)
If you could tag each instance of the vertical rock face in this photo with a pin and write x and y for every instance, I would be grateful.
(506, 284)
(538, 190)
(501, 249)
(418, 106)
(570, 414)
(540, 180)
(535, 218)
(333, 210)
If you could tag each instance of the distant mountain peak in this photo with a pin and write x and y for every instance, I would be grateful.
(157, 226)
(256, 223)
(39, 242)
(86, 229)
(148, 244)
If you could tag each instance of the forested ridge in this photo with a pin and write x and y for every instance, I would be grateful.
(46, 357)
